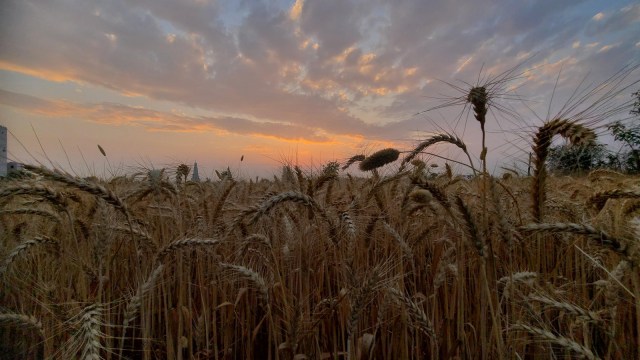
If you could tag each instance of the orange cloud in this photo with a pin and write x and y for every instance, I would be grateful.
(154, 120)
(44, 74)
(296, 10)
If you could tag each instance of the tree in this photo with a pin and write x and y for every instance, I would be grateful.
(182, 171)
(636, 104)
(629, 161)
(331, 169)
(629, 135)
(572, 158)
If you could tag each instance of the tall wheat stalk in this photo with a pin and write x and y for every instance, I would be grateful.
(577, 134)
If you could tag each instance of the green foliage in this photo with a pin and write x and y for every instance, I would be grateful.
(331, 168)
(572, 158)
(628, 159)
(636, 103)
(630, 136)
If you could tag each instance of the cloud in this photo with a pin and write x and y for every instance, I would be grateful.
(154, 120)
(296, 10)
(308, 69)
(619, 20)
(334, 23)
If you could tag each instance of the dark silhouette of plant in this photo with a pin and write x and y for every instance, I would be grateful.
(182, 172)
(636, 104)
(577, 158)
(629, 135)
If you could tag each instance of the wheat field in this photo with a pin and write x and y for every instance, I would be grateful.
(320, 267)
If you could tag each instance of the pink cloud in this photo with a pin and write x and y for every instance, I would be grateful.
(154, 120)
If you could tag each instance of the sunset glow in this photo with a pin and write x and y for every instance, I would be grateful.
(158, 83)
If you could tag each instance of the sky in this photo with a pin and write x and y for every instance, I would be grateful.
(157, 83)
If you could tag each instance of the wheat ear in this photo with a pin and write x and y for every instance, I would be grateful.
(569, 308)
(558, 340)
(253, 277)
(517, 277)
(30, 211)
(438, 138)
(133, 307)
(222, 200)
(599, 236)
(55, 197)
(438, 192)
(470, 226)
(288, 196)
(406, 249)
(23, 321)
(350, 226)
(576, 134)
(598, 200)
(415, 312)
(379, 159)
(88, 335)
(360, 300)
(91, 188)
(25, 246)
(181, 244)
(352, 160)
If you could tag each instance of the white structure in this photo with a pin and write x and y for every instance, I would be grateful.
(3, 151)
(194, 176)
